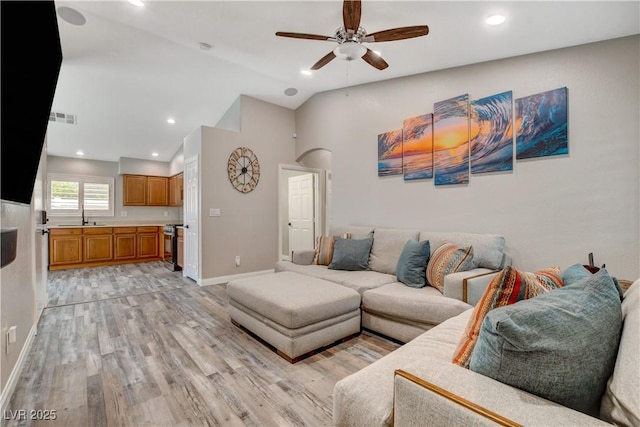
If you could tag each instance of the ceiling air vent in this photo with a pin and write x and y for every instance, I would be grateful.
(69, 119)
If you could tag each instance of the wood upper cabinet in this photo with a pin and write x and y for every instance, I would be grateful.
(134, 191)
(65, 246)
(148, 242)
(157, 191)
(98, 244)
(175, 190)
(142, 190)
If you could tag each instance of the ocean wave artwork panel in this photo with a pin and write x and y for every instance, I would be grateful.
(491, 130)
(451, 141)
(390, 153)
(417, 147)
(541, 123)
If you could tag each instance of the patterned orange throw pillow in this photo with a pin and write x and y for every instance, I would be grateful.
(324, 248)
(508, 287)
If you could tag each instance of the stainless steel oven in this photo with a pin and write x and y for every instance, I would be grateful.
(170, 247)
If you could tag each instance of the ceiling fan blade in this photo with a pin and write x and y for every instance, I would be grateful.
(397, 34)
(375, 60)
(304, 36)
(351, 13)
(324, 61)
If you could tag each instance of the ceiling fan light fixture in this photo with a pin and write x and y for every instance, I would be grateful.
(350, 50)
(495, 19)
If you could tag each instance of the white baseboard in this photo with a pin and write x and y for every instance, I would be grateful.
(224, 279)
(8, 390)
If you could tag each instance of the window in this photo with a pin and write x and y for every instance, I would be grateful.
(68, 195)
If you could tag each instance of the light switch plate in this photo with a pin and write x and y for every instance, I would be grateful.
(214, 212)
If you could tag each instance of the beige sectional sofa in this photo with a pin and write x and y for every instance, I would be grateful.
(418, 385)
(391, 308)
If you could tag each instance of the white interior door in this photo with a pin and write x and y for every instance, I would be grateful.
(191, 220)
(301, 212)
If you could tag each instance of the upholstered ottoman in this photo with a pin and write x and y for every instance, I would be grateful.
(294, 313)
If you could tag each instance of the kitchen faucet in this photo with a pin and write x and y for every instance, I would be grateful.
(84, 221)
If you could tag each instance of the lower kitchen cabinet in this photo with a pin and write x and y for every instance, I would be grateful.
(65, 246)
(95, 246)
(98, 244)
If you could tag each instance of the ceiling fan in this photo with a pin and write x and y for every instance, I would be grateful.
(351, 36)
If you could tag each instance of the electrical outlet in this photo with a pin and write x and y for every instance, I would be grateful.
(166, 213)
(123, 213)
(238, 260)
(11, 337)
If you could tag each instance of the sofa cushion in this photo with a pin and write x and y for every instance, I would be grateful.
(488, 249)
(351, 254)
(324, 249)
(507, 287)
(361, 280)
(446, 259)
(620, 403)
(412, 264)
(561, 345)
(356, 231)
(387, 247)
(422, 305)
(319, 271)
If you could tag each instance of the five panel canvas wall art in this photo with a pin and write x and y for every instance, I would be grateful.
(464, 137)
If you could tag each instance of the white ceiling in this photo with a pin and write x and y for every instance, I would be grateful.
(130, 68)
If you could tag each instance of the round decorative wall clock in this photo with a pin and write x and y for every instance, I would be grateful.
(243, 169)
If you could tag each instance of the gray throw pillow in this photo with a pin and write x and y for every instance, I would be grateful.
(412, 264)
(578, 271)
(561, 345)
(351, 254)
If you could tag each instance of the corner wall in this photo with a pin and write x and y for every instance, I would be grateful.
(248, 224)
(552, 211)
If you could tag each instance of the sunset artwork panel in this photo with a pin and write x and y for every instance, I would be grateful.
(451, 141)
(417, 147)
(390, 153)
(492, 133)
(541, 123)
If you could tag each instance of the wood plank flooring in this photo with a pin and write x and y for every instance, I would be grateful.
(138, 345)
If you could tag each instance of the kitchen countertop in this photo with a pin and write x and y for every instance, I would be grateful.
(101, 225)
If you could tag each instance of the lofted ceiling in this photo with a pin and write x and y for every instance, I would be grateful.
(128, 69)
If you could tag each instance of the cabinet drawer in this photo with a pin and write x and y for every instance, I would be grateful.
(124, 230)
(64, 231)
(147, 229)
(101, 230)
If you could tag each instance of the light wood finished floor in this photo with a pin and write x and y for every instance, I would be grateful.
(150, 348)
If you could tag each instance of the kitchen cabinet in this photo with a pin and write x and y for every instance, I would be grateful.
(142, 190)
(98, 244)
(95, 246)
(134, 190)
(148, 242)
(175, 190)
(157, 191)
(65, 246)
(180, 247)
(124, 241)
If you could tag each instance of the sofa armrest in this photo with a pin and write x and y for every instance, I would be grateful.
(303, 257)
(447, 394)
(454, 283)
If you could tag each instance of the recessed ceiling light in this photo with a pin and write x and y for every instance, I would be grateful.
(136, 3)
(171, 120)
(290, 91)
(495, 19)
(306, 72)
(71, 16)
(80, 153)
(154, 154)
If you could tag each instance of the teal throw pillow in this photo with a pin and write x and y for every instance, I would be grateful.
(412, 264)
(578, 271)
(351, 254)
(561, 345)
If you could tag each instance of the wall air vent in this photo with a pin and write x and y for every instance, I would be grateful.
(69, 119)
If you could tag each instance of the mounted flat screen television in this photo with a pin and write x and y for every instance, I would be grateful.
(31, 59)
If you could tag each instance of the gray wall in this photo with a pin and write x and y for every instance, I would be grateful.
(552, 211)
(248, 225)
(135, 214)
